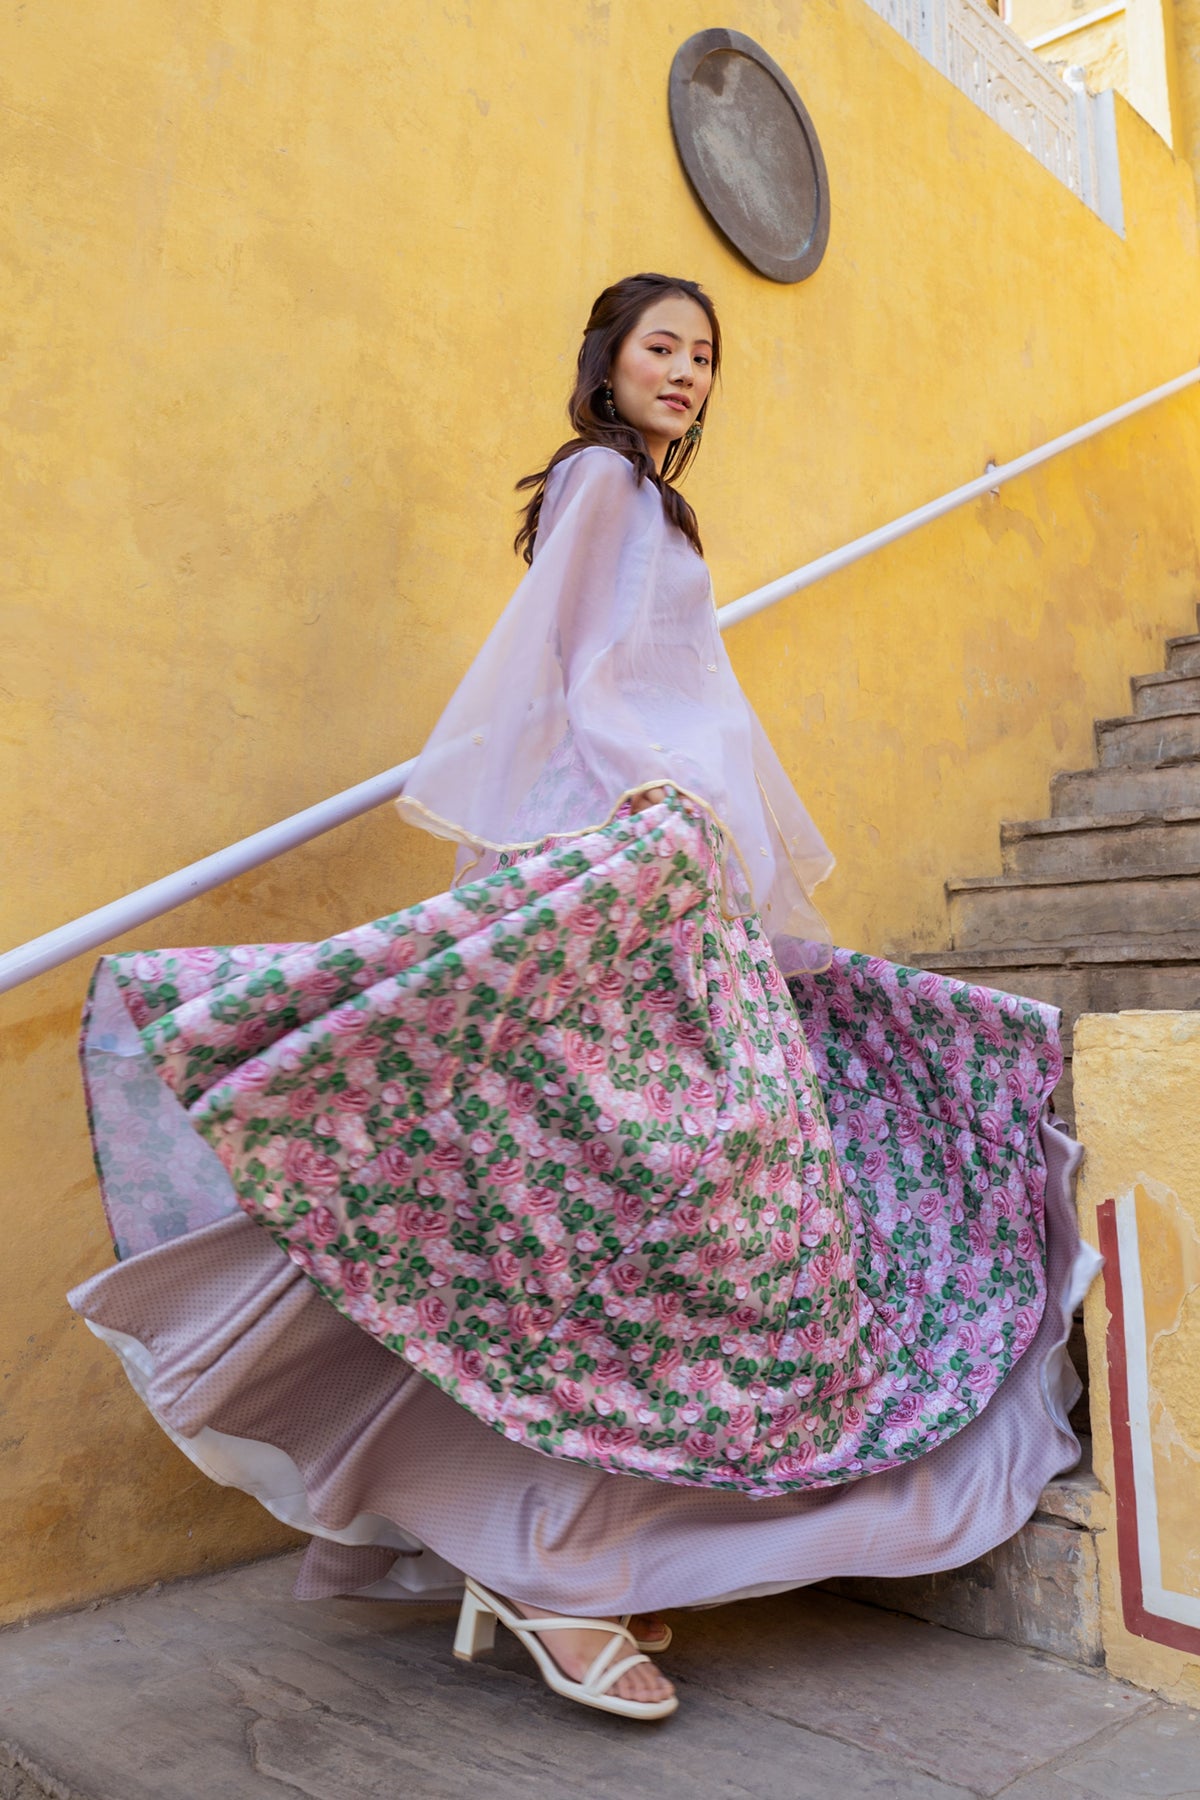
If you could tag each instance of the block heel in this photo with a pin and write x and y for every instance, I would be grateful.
(476, 1626)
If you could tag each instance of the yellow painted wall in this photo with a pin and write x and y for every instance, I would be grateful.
(1029, 18)
(294, 294)
(1137, 1075)
(1100, 50)
(1136, 51)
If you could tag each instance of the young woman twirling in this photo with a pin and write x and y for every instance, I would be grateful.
(594, 1229)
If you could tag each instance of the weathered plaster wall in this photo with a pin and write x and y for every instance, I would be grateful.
(1137, 1077)
(293, 297)
(1100, 50)
(1186, 37)
(1135, 51)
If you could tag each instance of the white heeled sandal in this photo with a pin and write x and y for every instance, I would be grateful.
(477, 1631)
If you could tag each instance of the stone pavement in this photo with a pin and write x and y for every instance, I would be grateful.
(226, 1689)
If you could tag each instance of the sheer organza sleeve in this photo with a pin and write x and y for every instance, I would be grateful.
(543, 737)
(627, 626)
(605, 675)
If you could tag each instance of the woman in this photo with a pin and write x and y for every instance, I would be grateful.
(562, 1144)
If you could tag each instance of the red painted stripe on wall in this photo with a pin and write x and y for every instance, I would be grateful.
(1139, 1622)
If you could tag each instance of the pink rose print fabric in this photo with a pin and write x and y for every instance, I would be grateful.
(565, 1141)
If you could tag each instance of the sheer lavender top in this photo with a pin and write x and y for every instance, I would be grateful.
(606, 674)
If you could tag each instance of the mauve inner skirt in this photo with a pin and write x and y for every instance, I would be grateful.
(266, 1387)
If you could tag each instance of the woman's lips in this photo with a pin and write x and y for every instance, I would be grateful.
(675, 404)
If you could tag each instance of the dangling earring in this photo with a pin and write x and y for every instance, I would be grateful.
(610, 405)
(694, 433)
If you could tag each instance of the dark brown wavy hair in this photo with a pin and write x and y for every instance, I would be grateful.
(613, 316)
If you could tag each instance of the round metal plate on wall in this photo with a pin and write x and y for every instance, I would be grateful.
(751, 152)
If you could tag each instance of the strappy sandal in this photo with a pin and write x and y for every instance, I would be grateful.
(477, 1631)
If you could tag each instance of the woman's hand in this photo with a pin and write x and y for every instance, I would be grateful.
(652, 796)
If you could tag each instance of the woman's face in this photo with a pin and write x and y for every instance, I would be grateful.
(663, 371)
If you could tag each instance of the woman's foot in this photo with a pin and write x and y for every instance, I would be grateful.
(576, 1651)
(651, 1631)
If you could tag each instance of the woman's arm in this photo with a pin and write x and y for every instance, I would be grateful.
(601, 535)
(556, 722)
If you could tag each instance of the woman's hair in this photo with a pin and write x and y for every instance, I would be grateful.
(613, 317)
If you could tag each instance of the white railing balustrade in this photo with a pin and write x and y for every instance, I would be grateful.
(1072, 133)
(107, 922)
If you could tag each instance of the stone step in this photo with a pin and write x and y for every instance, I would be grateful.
(1169, 738)
(1040, 1589)
(1166, 692)
(1183, 655)
(1133, 790)
(1163, 976)
(225, 1688)
(1095, 844)
(1033, 910)
(1087, 980)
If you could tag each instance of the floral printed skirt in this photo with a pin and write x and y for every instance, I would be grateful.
(565, 1142)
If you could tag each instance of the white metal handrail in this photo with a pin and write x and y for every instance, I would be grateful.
(119, 916)
(774, 591)
(1073, 26)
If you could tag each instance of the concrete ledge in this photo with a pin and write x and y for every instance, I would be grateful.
(225, 1688)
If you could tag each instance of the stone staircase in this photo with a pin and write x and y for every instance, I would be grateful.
(1098, 907)
(1097, 910)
